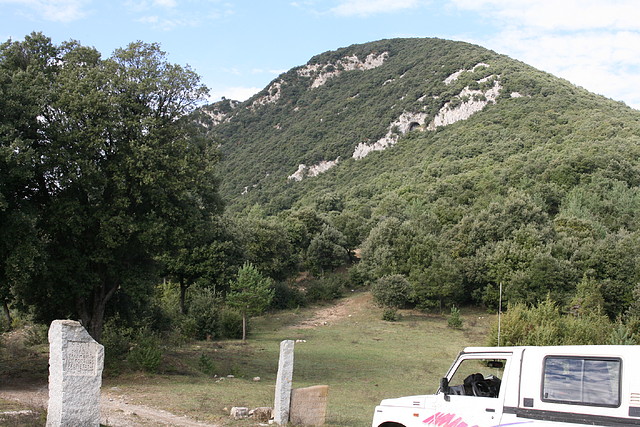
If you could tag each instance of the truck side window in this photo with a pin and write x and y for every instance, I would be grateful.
(477, 377)
(582, 381)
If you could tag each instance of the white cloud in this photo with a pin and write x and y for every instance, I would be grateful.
(371, 7)
(165, 3)
(237, 93)
(591, 43)
(167, 15)
(560, 15)
(54, 10)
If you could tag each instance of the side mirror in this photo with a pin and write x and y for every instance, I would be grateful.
(444, 388)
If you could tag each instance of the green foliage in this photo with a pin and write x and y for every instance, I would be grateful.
(36, 334)
(204, 311)
(390, 314)
(250, 294)
(287, 296)
(326, 288)
(206, 365)
(544, 324)
(146, 354)
(454, 320)
(106, 173)
(391, 291)
(117, 341)
(327, 250)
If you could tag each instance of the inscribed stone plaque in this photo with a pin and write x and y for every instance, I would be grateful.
(80, 359)
(75, 376)
(309, 405)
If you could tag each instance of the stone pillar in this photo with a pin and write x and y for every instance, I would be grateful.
(309, 405)
(75, 376)
(283, 383)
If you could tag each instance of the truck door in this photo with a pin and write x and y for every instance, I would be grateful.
(475, 396)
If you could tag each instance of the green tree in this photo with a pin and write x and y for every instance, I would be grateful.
(27, 73)
(327, 250)
(250, 294)
(391, 291)
(210, 257)
(122, 174)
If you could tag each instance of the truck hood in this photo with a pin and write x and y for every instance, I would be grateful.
(410, 401)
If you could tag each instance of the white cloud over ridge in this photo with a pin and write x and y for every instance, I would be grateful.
(54, 10)
(592, 43)
(347, 8)
(236, 93)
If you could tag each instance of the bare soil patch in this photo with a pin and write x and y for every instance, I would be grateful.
(334, 313)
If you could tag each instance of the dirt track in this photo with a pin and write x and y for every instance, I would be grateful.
(115, 410)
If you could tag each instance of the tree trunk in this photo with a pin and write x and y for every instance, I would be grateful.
(183, 295)
(7, 314)
(244, 327)
(93, 321)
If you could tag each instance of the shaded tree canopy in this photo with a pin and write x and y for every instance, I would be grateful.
(106, 168)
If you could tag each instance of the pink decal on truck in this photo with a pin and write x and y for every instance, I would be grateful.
(446, 420)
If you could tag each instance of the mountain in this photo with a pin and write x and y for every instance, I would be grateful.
(508, 172)
(343, 105)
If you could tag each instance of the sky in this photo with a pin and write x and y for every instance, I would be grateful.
(239, 46)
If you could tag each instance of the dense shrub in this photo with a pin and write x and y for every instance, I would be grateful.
(229, 324)
(116, 340)
(390, 314)
(204, 310)
(326, 288)
(287, 296)
(391, 291)
(544, 324)
(146, 354)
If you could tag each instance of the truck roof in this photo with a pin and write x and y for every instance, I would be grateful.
(589, 350)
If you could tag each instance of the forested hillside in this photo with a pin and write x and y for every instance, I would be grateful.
(445, 163)
(426, 170)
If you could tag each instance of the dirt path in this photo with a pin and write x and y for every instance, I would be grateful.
(346, 308)
(115, 410)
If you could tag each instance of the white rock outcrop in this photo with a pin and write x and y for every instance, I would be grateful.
(453, 77)
(218, 116)
(321, 73)
(305, 171)
(274, 92)
(406, 122)
(471, 101)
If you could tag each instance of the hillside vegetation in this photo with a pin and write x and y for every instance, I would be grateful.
(449, 164)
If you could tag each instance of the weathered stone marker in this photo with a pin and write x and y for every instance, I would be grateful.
(75, 376)
(283, 383)
(309, 405)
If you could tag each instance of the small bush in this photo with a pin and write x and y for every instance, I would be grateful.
(391, 291)
(544, 324)
(230, 324)
(454, 321)
(325, 289)
(390, 315)
(204, 309)
(206, 365)
(116, 341)
(146, 354)
(36, 334)
(287, 297)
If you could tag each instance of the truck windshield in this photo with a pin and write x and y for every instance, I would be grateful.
(478, 377)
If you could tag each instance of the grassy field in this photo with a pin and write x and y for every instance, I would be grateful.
(347, 346)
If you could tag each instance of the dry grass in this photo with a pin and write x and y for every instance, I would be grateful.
(347, 346)
(362, 358)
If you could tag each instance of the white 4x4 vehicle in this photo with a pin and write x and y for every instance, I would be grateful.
(536, 386)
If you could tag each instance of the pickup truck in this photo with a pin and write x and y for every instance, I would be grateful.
(536, 386)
